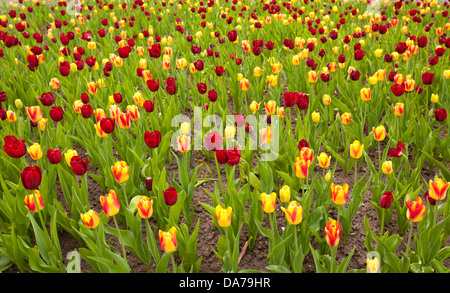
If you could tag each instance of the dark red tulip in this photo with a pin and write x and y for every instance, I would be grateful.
(107, 124)
(152, 139)
(153, 85)
(359, 54)
(85, 98)
(219, 70)
(90, 61)
(398, 151)
(222, 156)
(79, 167)
(155, 51)
(234, 156)
(199, 65)
(170, 196)
(290, 99)
(433, 60)
(149, 183)
(232, 35)
(148, 106)
(302, 101)
(56, 113)
(87, 111)
(54, 156)
(386, 200)
(302, 144)
(201, 87)
(427, 78)
(212, 95)
(14, 147)
(398, 89)
(355, 74)
(118, 98)
(239, 120)
(422, 41)
(440, 114)
(31, 177)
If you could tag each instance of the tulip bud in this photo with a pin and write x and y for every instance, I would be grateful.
(438, 189)
(356, 149)
(149, 183)
(285, 194)
(328, 176)
(18, 103)
(315, 116)
(416, 210)
(223, 216)
(386, 200)
(168, 240)
(35, 151)
(434, 98)
(170, 196)
(387, 167)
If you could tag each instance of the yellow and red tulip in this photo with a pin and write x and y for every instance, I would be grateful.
(386, 167)
(416, 210)
(332, 233)
(346, 118)
(293, 212)
(90, 219)
(324, 160)
(110, 203)
(301, 167)
(120, 171)
(399, 108)
(379, 133)
(223, 216)
(356, 149)
(35, 151)
(30, 202)
(168, 240)
(438, 189)
(312, 76)
(145, 207)
(339, 193)
(285, 194)
(34, 113)
(365, 94)
(271, 107)
(269, 202)
(184, 143)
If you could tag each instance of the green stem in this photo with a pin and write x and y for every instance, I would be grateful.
(409, 238)
(220, 177)
(333, 257)
(382, 222)
(174, 265)
(379, 154)
(356, 171)
(120, 238)
(295, 237)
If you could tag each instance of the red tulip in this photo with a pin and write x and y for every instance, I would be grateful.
(153, 85)
(398, 151)
(219, 70)
(427, 78)
(31, 177)
(202, 87)
(170, 196)
(232, 35)
(398, 89)
(148, 106)
(234, 156)
(155, 50)
(440, 114)
(212, 95)
(86, 111)
(152, 139)
(302, 101)
(386, 200)
(54, 156)
(79, 167)
(149, 183)
(107, 124)
(56, 113)
(290, 99)
(13, 147)
(222, 156)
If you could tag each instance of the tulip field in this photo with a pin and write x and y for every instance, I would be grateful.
(224, 136)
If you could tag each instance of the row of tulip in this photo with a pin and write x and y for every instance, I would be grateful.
(124, 117)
